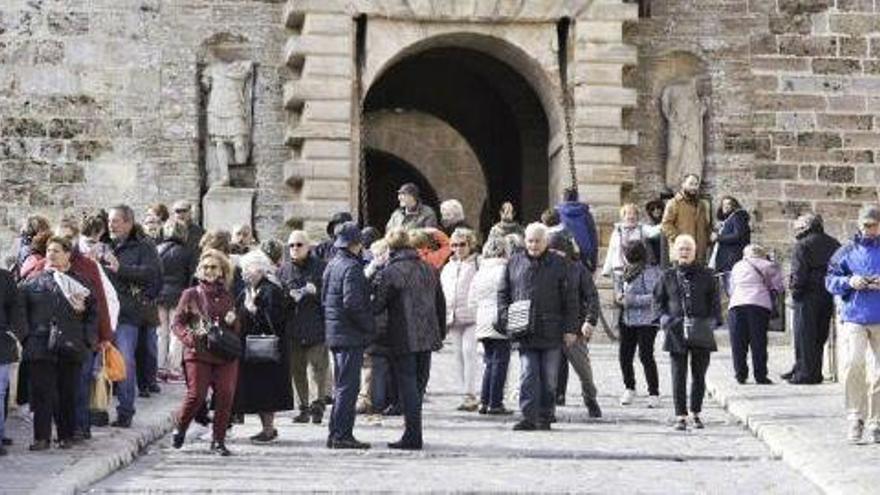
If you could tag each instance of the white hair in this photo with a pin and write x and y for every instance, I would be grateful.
(754, 251)
(454, 209)
(536, 229)
(684, 239)
(256, 260)
(299, 233)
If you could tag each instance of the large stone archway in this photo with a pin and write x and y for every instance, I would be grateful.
(323, 128)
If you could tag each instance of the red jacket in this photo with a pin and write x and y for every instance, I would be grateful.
(193, 308)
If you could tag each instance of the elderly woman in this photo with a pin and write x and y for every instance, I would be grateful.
(452, 216)
(456, 280)
(61, 328)
(408, 289)
(689, 311)
(483, 300)
(753, 281)
(263, 385)
(539, 309)
(208, 304)
(629, 230)
(178, 262)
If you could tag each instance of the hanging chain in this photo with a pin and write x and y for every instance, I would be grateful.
(567, 100)
(360, 60)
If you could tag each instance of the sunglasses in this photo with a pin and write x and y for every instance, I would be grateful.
(296, 244)
(210, 267)
(458, 244)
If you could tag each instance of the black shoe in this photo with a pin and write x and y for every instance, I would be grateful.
(741, 380)
(797, 380)
(220, 449)
(154, 389)
(302, 417)
(144, 394)
(65, 444)
(681, 425)
(401, 445)
(550, 419)
(6, 442)
(484, 409)
(560, 400)
(764, 381)
(39, 445)
(593, 408)
(203, 420)
(3, 451)
(264, 437)
(698, 423)
(499, 411)
(178, 438)
(79, 437)
(328, 400)
(349, 444)
(99, 418)
(317, 413)
(787, 376)
(525, 425)
(121, 422)
(542, 426)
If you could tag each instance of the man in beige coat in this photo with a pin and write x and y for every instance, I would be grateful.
(687, 214)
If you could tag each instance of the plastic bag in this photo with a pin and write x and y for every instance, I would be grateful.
(114, 364)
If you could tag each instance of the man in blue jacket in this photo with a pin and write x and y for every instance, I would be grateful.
(854, 277)
(578, 220)
(348, 320)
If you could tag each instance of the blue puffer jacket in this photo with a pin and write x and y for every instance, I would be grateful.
(860, 257)
(348, 314)
(578, 220)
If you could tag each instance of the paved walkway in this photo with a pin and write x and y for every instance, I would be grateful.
(805, 425)
(632, 449)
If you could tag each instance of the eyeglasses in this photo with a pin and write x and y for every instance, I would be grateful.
(869, 225)
(458, 244)
(296, 244)
(210, 267)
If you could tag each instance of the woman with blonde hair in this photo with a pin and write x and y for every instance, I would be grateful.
(629, 230)
(452, 216)
(208, 307)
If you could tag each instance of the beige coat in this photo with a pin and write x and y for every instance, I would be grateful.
(687, 217)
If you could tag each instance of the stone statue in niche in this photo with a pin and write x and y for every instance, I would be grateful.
(684, 110)
(230, 94)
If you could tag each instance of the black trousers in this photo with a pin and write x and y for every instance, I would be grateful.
(53, 388)
(641, 337)
(411, 370)
(562, 379)
(748, 331)
(679, 365)
(812, 320)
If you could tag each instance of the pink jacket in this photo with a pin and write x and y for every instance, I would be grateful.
(747, 286)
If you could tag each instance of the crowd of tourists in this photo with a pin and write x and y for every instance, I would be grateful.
(104, 306)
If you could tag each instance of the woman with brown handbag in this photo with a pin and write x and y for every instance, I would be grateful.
(203, 311)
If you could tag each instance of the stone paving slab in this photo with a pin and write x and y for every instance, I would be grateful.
(804, 424)
(69, 471)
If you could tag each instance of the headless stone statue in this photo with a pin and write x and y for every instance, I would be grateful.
(684, 111)
(229, 117)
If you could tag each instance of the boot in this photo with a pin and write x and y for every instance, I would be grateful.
(317, 413)
(303, 416)
(178, 438)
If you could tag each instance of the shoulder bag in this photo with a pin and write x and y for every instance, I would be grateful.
(518, 318)
(221, 342)
(699, 331)
(263, 347)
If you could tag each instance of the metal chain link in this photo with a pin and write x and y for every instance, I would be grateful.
(567, 101)
(360, 60)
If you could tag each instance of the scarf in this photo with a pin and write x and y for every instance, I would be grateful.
(75, 292)
(632, 270)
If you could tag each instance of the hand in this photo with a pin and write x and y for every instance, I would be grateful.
(310, 289)
(713, 237)
(78, 301)
(230, 318)
(858, 282)
(570, 339)
(112, 262)
(296, 294)
(619, 298)
(587, 330)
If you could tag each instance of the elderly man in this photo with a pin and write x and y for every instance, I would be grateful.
(813, 305)
(538, 308)
(349, 326)
(183, 211)
(412, 214)
(301, 278)
(135, 271)
(854, 276)
(687, 214)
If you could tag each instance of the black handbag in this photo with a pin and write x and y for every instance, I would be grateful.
(219, 341)
(263, 348)
(62, 345)
(699, 331)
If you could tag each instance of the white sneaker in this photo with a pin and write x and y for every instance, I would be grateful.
(653, 401)
(856, 428)
(627, 397)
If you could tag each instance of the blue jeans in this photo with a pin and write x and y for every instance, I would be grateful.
(496, 356)
(4, 384)
(380, 382)
(537, 396)
(411, 369)
(347, 362)
(126, 342)
(82, 414)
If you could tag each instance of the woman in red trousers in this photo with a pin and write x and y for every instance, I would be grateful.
(209, 303)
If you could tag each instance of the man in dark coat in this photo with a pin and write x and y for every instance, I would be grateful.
(326, 250)
(10, 324)
(542, 279)
(409, 290)
(349, 326)
(813, 305)
(135, 271)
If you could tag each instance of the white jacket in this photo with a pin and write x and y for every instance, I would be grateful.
(620, 236)
(483, 297)
(456, 280)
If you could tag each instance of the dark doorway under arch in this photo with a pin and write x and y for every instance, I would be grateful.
(491, 105)
(387, 174)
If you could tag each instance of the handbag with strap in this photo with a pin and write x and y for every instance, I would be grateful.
(114, 363)
(221, 342)
(699, 331)
(263, 347)
(518, 318)
(777, 302)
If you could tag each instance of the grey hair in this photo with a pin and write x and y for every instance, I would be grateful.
(256, 260)
(126, 211)
(513, 243)
(465, 234)
(495, 247)
(454, 207)
(755, 251)
(538, 229)
(684, 239)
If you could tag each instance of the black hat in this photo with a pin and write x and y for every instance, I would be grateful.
(409, 188)
(347, 234)
(337, 219)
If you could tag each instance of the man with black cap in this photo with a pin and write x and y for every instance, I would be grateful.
(325, 250)
(854, 276)
(813, 305)
(348, 320)
(412, 214)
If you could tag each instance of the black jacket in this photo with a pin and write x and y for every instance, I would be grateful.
(734, 236)
(588, 295)
(194, 235)
(809, 262)
(139, 277)
(178, 263)
(10, 318)
(305, 319)
(409, 290)
(42, 302)
(669, 301)
(348, 319)
(269, 318)
(548, 282)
